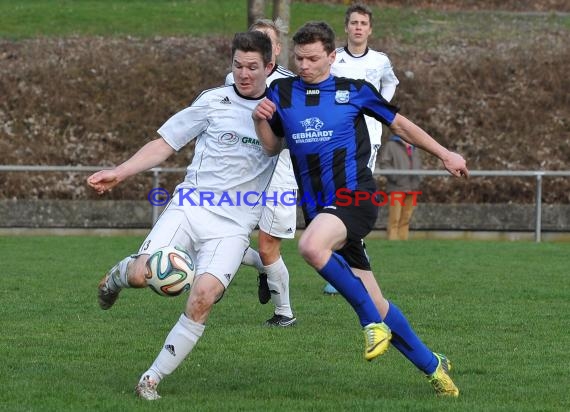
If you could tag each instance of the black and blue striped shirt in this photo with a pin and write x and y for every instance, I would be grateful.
(324, 127)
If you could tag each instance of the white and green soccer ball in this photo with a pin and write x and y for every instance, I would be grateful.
(170, 271)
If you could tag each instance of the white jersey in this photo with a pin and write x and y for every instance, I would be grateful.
(283, 177)
(374, 67)
(228, 161)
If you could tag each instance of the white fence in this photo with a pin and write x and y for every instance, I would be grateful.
(157, 171)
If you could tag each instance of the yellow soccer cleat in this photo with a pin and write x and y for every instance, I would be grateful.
(377, 340)
(440, 379)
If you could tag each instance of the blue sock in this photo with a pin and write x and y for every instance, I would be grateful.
(338, 273)
(408, 343)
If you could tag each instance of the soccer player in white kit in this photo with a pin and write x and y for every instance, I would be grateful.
(228, 162)
(278, 220)
(357, 61)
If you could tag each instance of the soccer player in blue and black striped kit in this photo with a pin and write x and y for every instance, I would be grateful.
(321, 118)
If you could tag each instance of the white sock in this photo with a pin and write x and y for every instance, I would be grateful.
(119, 275)
(278, 281)
(178, 344)
(251, 258)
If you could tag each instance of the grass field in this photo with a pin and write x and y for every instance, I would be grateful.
(498, 310)
(147, 18)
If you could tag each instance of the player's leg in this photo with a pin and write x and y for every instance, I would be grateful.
(394, 212)
(278, 221)
(406, 217)
(217, 261)
(325, 234)
(434, 366)
(130, 272)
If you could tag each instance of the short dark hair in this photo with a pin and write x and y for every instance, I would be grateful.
(357, 8)
(314, 31)
(253, 41)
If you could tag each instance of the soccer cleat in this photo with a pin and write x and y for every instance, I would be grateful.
(106, 295)
(146, 389)
(440, 379)
(329, 290)
(263, 292)
(377, 340)
(281, 321)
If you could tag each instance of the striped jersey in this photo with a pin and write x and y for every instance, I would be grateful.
(322, 126)
(283, 176)
(228, 159)
(374, 67)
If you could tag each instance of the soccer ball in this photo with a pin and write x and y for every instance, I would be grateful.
(170, 271)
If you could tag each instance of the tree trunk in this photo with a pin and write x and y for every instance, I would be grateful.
(255, 10)
(282, 9)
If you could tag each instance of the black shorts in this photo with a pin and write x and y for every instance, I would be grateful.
(358, 215)
(354, 252)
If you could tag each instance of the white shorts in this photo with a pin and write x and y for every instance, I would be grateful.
(220, 256)
(279, 219)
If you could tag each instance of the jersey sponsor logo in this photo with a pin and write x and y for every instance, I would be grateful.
(225, 100)
(342, 96)
(313, 132)
(312, 124)
(312, 92)
(250, 141)
(228, 138)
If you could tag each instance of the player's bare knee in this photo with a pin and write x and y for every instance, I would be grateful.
(312, 253)
(205, 292)
(269, 249)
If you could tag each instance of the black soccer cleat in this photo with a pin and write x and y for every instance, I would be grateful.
(263, 292)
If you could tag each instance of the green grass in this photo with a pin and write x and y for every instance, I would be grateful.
(32, 18)
(498, 310)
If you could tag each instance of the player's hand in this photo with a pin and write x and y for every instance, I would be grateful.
(103, 181)
(264, 110)
(455, 164)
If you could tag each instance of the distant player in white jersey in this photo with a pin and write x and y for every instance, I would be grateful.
(357, 61)
(228, 161)
(278, 220)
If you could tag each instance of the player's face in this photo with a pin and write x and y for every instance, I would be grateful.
(358, 28)
(250, 74)
(312, 61)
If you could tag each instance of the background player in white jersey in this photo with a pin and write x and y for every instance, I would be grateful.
(278, 221)
(357, 61)
(220, 121)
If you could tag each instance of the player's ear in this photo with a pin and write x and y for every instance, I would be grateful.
(269, 68)
(332, 56)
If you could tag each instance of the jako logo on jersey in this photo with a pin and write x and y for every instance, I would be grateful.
(228, 138)
(342, 96)
(312, 92)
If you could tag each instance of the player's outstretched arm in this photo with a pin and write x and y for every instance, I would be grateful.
(263, 112)
(150, 155)
(413, 134)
